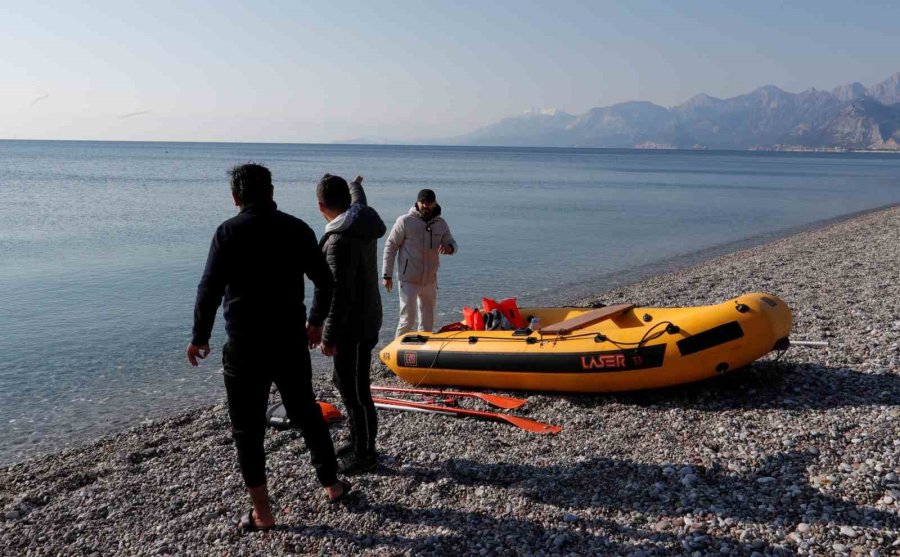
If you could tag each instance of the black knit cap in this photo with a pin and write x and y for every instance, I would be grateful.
(426, 196)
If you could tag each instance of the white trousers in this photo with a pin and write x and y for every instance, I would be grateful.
(421, 297)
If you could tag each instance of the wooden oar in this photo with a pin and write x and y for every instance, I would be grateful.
(524, 423)
(494, 400)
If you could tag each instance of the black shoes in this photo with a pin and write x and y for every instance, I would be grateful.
(357, 464)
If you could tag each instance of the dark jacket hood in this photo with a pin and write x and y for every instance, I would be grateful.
(368, 225)
(359, 221)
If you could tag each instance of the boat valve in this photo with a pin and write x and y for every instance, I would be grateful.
(722, 367)
(600, 338)
(647, 318)
(742, 308)
(473, 340)
(672, 329)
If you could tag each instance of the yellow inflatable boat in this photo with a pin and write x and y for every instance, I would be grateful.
(615, 348)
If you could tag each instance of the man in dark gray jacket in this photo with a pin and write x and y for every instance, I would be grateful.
(416, 242)
(353, 319)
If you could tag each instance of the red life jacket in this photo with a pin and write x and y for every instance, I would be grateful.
(508, 308)
(473, 319)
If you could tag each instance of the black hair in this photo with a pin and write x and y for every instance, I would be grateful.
(333, 192)
(251, 183)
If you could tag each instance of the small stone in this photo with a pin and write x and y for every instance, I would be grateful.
(803, 527)
(848, 531)
(570, 517)
(688, 479)
(685, 470)
(890, 477)
(12, 515)
(839, 547)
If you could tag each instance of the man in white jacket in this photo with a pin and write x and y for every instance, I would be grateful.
(416, 242)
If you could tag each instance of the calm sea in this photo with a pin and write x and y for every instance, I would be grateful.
(102, 245)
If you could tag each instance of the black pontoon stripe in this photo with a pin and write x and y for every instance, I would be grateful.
(572, 362)
(709, 338)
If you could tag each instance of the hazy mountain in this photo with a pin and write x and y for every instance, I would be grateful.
(534, 128)
(850, 117)
(886, 92)
(620, 125)
(864, 122)
(850, 92)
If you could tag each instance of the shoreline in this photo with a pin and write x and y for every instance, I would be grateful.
(801, 451)
(576, 292)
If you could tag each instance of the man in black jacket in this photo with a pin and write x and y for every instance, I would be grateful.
(354, 315)
(257, 261)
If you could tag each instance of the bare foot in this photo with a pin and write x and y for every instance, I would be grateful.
(337, 490)
(261, 517)
(263, 520)
(256, 522)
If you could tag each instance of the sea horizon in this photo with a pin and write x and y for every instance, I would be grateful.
(341, 143)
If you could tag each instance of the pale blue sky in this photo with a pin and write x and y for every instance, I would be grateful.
(292, 71)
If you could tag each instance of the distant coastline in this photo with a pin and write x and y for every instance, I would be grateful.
(386, 144)
(848, 118)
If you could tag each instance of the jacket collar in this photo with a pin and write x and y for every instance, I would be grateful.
(259, 208)
(434, 216)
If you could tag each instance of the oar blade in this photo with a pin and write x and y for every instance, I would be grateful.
(506, 402)
(531, 425)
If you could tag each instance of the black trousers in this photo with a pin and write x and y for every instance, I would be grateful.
(249, 374)
(351, 376)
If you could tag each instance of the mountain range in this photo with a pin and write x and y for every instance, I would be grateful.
(850, 117)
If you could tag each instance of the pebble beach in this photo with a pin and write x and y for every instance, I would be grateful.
(796, 454)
